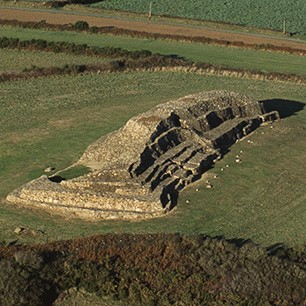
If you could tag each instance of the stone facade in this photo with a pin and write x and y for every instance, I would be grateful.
(138, 170)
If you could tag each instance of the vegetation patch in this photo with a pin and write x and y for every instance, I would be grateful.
(153, 269)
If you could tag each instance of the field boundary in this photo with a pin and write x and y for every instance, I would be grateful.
(142, 60)
(131, 66)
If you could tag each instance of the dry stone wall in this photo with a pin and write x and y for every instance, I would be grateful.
(138, 171)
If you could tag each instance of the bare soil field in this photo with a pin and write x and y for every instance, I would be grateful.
(57, 17)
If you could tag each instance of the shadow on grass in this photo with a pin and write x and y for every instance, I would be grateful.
(277, 249)
(175, 57)
(56, 179)
(285, 108)
(238, 242)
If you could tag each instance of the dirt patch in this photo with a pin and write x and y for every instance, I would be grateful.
(148, 26)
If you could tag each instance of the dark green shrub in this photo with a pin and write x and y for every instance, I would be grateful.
(155, 270)
(141, 54)
(81, 25)
(31, 259)
(20, 282)
(94, 29)
(116, 65)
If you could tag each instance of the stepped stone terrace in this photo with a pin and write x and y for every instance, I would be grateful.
(138, 170)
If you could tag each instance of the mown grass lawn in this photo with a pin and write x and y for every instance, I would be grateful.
(226, 56)
(50, 121)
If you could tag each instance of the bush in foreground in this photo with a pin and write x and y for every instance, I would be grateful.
(159, 269)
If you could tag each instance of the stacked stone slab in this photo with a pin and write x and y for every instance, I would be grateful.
(138, 170)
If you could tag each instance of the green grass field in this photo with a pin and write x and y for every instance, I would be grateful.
(260, 13)
(50, 121)
(226, 56)
(20, 60)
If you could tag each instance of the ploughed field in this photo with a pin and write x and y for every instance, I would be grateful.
(260, 14)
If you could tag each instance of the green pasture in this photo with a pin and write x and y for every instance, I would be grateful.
(21, 60)
(50, 121)
(226, 56)
(261, 13)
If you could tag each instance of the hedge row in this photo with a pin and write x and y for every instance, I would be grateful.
(61, 46)
(156, 269)
(83, 26)
(153, 62)
(130, 60)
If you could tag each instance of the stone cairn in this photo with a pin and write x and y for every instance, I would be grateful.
(138, 170)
